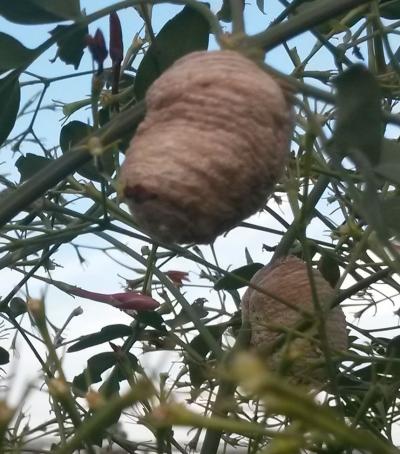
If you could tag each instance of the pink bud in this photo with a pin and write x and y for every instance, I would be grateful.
(125, 301)
(133, 301)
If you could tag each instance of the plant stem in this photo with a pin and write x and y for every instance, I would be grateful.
(48, 177)
(100, 420)
(237, 7)
(302, 22)
(225, 392)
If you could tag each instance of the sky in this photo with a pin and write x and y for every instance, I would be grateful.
(96, 273)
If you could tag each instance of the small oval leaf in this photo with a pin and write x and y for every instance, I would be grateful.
(390, 9)
(4, 356)
(10, 95)
(260, 4)
(98, 364)
(225, 13)
(71, 43)
(329, 268)
(74, 132)
(187, 32)
(32, 12)
(30, 164)
(359, 128)
(197, 371)
(106, 334)
(12, 53)
(152, 319)
(17, 306)
(389, 165)
(244, 273)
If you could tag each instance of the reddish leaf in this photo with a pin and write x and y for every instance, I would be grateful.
(97, 47)
(177, 277)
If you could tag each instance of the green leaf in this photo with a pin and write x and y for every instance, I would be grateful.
(389, 165)
(231, 281)
(329, 268)
(98, 364)
(368, 205)
(74, 132)
(151, 318)
(225, 13)
(32, 12)
(30, 164)
(390, 208)
(359, 129)
(197, 371)
(106, 334)
(183, 317)
(12, 53)
(70, 42)
(10, 94)
(333, 25)
(4, 356)
(390, 9)
(187, 32)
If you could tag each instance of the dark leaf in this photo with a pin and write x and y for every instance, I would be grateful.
(112, 387)
(357, 53)
(12, 53)
(197, 371)
(74, 132)
(333, 25)
(359, 128)
(183, 317)
(30, 164)
(10, 94)
(393, 351)
(260, 4)
(187, 32)
(106, 334)
(225, 13)
(17, 306)
(231, 281)
(39, 11)
(104, 116)
(249, 259)
(98, 364)
(71, 43)
(152, 319)
(389, 165)
(329, 268)
(368, 206)
(390, 9)
(390, 208)
(4, 356)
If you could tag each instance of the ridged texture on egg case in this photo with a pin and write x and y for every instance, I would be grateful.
(212, 145)
(288, 280)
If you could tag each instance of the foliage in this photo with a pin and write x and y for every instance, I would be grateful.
(336, 207)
